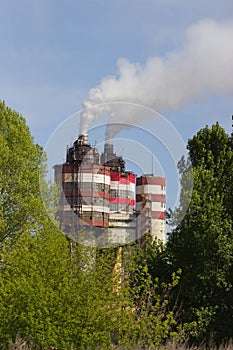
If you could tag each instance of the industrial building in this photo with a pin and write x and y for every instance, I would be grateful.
(98, 192)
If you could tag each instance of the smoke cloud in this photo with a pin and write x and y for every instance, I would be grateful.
(203, 66)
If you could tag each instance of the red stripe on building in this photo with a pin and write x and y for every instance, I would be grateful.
(76, 193)
(153, 197)
(117, 176)
(161, 215)
(95, 194)
(70, 222)
(122, 201)
(104, 171)
(151, 180)
(93, 222)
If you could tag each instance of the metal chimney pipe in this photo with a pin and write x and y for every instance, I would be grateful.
(83, 139)
(108, 148)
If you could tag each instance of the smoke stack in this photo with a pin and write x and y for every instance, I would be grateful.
(83, 139)
(108, 148)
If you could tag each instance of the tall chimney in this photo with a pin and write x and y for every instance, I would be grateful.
(83, 139)
(108, 148)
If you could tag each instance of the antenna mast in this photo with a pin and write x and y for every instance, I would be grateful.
(152, 164)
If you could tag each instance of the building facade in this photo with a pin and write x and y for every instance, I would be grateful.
(151, 206)
(97, 191)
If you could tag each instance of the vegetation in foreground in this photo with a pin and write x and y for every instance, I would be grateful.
(21, 344)
(52, 296)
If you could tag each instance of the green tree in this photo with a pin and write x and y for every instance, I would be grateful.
(20, 205)
(152, 320)
(56, 294)
(202, 244)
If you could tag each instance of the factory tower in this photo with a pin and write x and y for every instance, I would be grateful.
(97, 191)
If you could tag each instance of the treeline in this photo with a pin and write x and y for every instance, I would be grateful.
(57, 294)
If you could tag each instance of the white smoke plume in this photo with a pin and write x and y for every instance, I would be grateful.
(203, 66)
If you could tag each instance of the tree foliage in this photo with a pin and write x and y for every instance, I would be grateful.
(20, 205)
(59, 295)
(53, 295)
(202, 244)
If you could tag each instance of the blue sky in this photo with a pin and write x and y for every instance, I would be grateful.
(53, 52)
